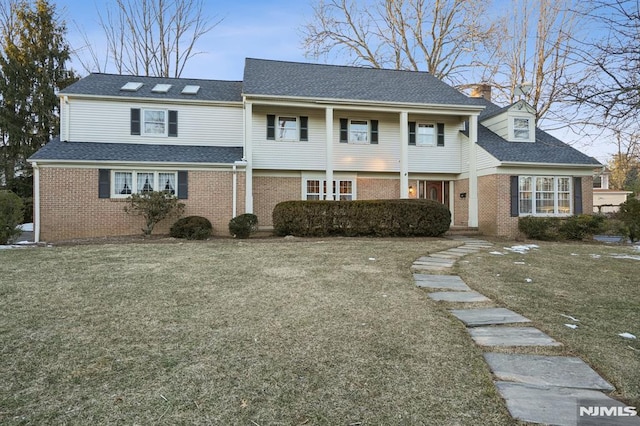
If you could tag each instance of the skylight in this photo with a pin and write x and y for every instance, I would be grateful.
(190, 90)
(131, 87)
(161, 88)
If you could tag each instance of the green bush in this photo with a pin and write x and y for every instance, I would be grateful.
(153, 206)
(581, 226)
(383, 218)
(10, 216)
(244, 225)
(192, 228)
(629, 214)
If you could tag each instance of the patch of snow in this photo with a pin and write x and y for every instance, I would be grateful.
(625, 256)
(10, 246)
(529, 280)
(573, 326)
(26, 227)
(575, 254)
(519, 263)
(522, 249)
(372, 259)
(570, 317)
(627, 335)
(595, 256)
(496, 253)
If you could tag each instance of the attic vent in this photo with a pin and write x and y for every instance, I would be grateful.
(161, 88)
(131, 87)
(190, 90)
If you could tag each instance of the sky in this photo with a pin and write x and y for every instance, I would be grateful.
(266, 29)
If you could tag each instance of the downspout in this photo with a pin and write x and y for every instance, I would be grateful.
(234, 200)
(67, 121)
(36, 202)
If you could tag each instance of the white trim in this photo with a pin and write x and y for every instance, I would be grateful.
(404, 154)
(473, 172)
(248, 152)
(129, 99)
(556, 209)
(36, 202)
(156, 184)
(142, 123)
(329, 147)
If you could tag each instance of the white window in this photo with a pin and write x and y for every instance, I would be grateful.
(125, 183)
(154, 122)
(521, 129)
(426, 134)
(544, 195)
(316, 189)
(287, 128)
(359, 131)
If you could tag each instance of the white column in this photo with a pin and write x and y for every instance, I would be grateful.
(248, 155)
(473, 171)
(404, 154)
(329, 152)
(36, 202)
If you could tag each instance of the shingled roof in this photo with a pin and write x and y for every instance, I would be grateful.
(302, 80)
(98, 84)
(56, 150)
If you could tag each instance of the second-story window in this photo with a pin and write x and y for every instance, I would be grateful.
(425, 134)
(521, 130)
(358, 131)
(287, 128)
(154, 122)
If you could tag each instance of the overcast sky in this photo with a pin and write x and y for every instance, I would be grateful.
(267, 29)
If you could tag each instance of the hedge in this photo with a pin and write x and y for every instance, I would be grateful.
(576, 227)
(381, 218)
(192, 228)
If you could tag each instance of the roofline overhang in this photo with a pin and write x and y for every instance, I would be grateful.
(360, 104)
(140, 164)
(546, 165)
(70, 96)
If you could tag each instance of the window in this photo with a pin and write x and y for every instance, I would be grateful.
(287, 128)
(154, 122)
(425, 134)
(521, 129)
(316, 189)
(544, 195)
(358, 131)
(126, 183)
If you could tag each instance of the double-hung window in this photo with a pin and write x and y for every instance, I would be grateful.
(154, 122)
(522, 129)
(425, 134)
(544, 195)
(316, 189)
(357, 131)
(288, 128)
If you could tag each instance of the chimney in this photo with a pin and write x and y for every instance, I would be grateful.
(482, 90)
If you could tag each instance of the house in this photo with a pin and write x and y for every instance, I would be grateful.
(298, 131)
(606, 200)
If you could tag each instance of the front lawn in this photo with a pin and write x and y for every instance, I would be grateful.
(257, 332)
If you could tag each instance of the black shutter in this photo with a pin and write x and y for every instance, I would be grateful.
(183, 184)
(135, 121)
(104, 183)
(173, 123)
(440, 134)
(374, 131)
(271, 127)
(412, 133)
(304, 128)
(577, 195)
(344, 130)
(515, 197)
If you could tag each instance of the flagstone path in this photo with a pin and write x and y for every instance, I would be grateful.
(536, 389)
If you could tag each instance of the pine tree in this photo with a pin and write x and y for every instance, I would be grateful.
(32, 69)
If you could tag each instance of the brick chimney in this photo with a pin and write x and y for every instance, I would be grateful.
(482, 90)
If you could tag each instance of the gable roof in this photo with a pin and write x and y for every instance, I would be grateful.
(98, 84)
(55, 150)
(303, 80)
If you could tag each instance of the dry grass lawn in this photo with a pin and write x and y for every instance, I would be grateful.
(585, 281)
(262, 332)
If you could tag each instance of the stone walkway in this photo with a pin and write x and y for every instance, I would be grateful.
(536, 389)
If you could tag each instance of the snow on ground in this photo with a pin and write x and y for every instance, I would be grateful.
(521, 249)
(26, 227)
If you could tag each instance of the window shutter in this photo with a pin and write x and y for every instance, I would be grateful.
(135, 121)
(577, 195)
(173, 123)
(412, 133)
(183, 184)
(271, 127)
(515, 197)
(104, 183)
(304, 128)
(374, 131)
(344, 132)
(440, 134)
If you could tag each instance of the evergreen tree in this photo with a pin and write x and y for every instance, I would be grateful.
(32, 69)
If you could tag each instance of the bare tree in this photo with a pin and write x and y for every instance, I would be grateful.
(438, 36)
(150, 37)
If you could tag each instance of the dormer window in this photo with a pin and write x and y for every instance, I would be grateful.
(521, 129)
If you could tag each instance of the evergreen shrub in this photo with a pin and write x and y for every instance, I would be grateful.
(192, 228)
(244, 225)
(10, 216)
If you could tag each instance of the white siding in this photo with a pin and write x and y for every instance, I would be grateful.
(289, 155)
(439, 159)
(498, 125)
(109, 121)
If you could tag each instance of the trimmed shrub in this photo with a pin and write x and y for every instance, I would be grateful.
(382, 218)
(192, 228)
(153, 206)
(629, 214)
(244, 225)
(10, 216)
(581, 226)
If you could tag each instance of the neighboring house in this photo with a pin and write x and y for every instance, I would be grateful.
(606, 200)
(298, 131)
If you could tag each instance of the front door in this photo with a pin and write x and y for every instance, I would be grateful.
(435, 190)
